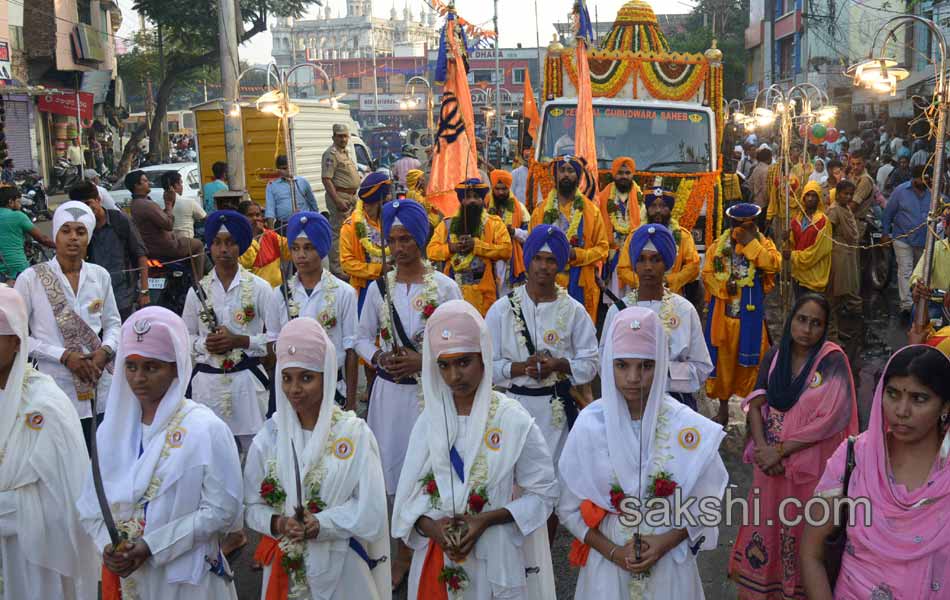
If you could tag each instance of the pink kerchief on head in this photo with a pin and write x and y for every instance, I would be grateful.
(14, 309)
(635, 333)
(453, 329)
(148, 333)
(303, 344)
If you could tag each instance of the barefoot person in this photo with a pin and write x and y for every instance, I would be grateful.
(171, 473)
(637, 442)
(469, 449)
(337, 548)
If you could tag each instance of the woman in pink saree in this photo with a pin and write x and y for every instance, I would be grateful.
(802, 407)
(901, 467)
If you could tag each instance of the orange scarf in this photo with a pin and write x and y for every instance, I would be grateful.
(592, 515)
(268, 553)
(430, 588)
(269, 249)
(111, 588)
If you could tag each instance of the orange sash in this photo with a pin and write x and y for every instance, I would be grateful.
(269, 249)
(592, 515)
(111, 588)
(268, 553)
(430, 588)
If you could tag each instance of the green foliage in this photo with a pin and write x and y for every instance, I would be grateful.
(731, 18)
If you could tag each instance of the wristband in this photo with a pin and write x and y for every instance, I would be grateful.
(610, 556)
(781, 450)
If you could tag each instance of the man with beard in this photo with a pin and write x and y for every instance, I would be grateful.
(685, 269)
(469, 243)
(583, 224)
(620, 206)
(502, 201)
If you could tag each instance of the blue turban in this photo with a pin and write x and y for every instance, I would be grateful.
(236, 224)
(476, 185)
(660, 193)
(555, 240)
(572, 160)
(662, 240)
(375, 187)
(743, 211)
(410, 215)
(315, 226)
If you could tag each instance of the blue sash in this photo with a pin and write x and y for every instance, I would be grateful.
(750, 326)
(458, 465)
(574, 288)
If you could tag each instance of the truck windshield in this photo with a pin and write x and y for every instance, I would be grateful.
(658, 139)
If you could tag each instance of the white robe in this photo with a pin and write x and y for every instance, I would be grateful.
(361, 515)
(191, 511)
(577, 342)
(94, 303)
(44, 553)
(496, 567)
(690, 364)
(246, 395)
(342, 334)
(393, 407)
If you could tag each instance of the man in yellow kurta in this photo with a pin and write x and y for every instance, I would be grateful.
(810, 244)
(739, 271)
(582, 222)
(503, 203)
(416, 190)
(361, 253)
(659, 203)
(619, 204)
(469, 243)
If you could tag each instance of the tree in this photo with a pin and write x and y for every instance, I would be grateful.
(189, 35)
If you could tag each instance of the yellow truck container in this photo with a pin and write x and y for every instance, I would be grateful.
(311, 133)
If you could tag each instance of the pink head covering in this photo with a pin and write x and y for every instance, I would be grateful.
(453, 330)
(634, 335)
(149, 336)
(5, 327)
(302, 344)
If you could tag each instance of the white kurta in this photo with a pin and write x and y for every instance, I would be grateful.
(675, 575)
(239, 399)
(690, 364)
(94, 303)
(44, 555)
(393, 407)
(562, 327)
(189, 514)
(362, 515)
(339, 304)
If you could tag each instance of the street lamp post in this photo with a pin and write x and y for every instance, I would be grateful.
(881, 75)
(409, 100)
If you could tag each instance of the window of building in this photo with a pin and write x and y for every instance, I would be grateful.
(352, 83)
(786, 66)
(482, 76)
(383, 84)
(85, 11)
(517, 75)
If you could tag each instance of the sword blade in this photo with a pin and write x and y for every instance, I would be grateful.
(298, 511)
(107, 517)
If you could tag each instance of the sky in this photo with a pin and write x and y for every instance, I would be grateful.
(515, 18)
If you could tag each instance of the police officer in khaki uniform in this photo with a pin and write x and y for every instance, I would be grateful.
(341, 181)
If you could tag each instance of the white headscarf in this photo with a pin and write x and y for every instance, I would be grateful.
(73, 212)
(822, 177)
(13, 311)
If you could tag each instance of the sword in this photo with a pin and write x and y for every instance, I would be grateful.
(298, 510)
(119, 541)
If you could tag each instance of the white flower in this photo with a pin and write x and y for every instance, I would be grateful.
(558, 417)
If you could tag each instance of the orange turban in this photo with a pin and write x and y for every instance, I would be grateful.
(500, 175)
(619, 162)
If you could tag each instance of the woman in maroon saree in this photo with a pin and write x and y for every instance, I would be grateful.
(802, 407)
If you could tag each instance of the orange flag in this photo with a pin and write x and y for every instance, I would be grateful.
(453, 158)
(529, 108)
(584, 145)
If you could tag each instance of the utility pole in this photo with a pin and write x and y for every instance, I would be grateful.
(499, 122)
(233, 130)
(163, 127)
(372, 37)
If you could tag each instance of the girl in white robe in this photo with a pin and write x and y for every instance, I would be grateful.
(174, 486)
(44, 553)
(610, 455)
(342, 487)
(495, 454)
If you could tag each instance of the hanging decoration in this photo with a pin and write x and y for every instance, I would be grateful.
(473, 31)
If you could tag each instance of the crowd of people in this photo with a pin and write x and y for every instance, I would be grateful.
(481, 341)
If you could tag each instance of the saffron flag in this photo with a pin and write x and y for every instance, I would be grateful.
(529, 108)
(454, 157)
(584, 135)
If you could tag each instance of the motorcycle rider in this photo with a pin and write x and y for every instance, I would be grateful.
(13, 225)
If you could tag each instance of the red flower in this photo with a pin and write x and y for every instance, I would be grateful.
(293, 564)
(432, 487)
(313, 507)
(616, 497)
(455, 582)
(249, 313)
(384, 333)
(663, 488)
(266, 488)
(574, 241)
(476, 502)
(227, 365)
(428, 310)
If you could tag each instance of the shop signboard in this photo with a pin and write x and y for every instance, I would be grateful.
(64, 103)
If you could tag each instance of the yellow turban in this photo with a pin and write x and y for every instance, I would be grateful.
(502, 176)
(413, 177)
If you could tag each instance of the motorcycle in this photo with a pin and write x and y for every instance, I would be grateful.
(66, 174)
(33, 198)
(875, 259)
(168, 285)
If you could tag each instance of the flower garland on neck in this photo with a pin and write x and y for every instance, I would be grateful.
(425, 303)
(667, 311)
(362, 232)
(728, 264)
(463, 262)
(619, 218)
(327, 316)
(552, 214)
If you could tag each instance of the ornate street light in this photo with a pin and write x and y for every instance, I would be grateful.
(411, 103)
